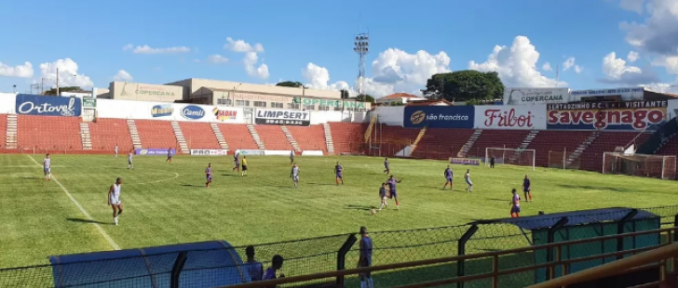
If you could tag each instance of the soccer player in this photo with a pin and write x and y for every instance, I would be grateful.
(392, 188)
(365, 259)
(492, 161)
(515, 204)
(244, 166)
(338, 170)
(291, 156)
(387, 166)
(276, 264)
(47, 167)
(116, 150)
(383, 196)
(208, 175)
(294, 174)
(169, 155)
(114, 199)
(527, 189)
(130, 160)
(236, 161)
(448, 177)
(467, 177)
(254, 267)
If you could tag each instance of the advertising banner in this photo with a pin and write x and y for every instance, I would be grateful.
(524, 117)
(192, 112)
(629, 115)
(330, 103)
(209, 152)
(282, 117)
(250, 152)
(527, 96)
(48, 105)
(162, 110)
(153, 152)
(629, 94)
(89, 102)
(277, 152)
(126, 109)
(312, 153)
(465, 161)
(439, 116)
(228, 115)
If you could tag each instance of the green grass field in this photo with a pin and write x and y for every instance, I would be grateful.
(168, 203)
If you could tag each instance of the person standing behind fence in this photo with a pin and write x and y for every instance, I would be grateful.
(254, 267)
(365, 259)
(276, 264)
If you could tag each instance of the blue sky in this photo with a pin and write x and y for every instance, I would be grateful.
(311, 42)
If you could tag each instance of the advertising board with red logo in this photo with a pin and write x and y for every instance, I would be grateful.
(523, 117)
(628, 115)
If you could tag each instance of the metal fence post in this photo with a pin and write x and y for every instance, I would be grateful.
(461, 251)
(551, 235)
(341, 256)
(176, 269)
(675, 224)
(620, 230)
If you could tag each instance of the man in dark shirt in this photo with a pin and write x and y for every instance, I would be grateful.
(365, 258)
(527, 188)
(254, 267)
(491, 161)
(276, 265)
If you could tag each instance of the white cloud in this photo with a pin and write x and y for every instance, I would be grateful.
(578, 69)
(145, 49)
(633, 5)
(570, 63)
(632, 57)
(319, 77)
(668, 62)
(217, 59)
(659, 32)
(68, 73)
(21, 71)
(241, 46)
(123, 76)
(547, 67)
(250, 62)
(516, 65)
(617, 72)
(662, 87)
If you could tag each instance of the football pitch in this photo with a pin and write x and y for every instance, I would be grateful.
(168, 203)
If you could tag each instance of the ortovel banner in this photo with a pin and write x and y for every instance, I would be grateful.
(438, 116)
(629, 115)
(525, 117)
(282, 117)
(48, 105)
(527, 96)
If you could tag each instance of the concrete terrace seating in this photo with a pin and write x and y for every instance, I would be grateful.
(497, 139)
(592, 158)
(3, 130)
(348, 137)
(439, 143)
(105, 133)
(557, 141)
(237, 136)
(393, 138)
(156, 134)
(49, 133)
(273, 137)
(199, 135)
(309, 138)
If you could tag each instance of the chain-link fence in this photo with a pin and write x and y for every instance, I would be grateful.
(207, 268)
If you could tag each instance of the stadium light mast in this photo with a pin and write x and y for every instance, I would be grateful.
(361, 46)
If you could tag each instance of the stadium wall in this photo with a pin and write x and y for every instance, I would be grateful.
(393, 116)
(128, 109)
(7, 103)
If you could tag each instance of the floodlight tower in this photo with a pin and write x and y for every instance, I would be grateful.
(361, 46)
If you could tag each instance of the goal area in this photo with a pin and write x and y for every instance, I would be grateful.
(511, 156)
(653, 166)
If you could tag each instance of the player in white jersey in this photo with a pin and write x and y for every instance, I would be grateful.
(294, 174)
(114, 199)
(116, 150)
(47, 167)
(130, 161)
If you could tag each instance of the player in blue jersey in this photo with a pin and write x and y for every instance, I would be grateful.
(387, 166)
(208, 175)
(365, 258)
(236, 161)
(169, 155)
(339, 174)
(527, 188)
(383, 195)
(392, 181)
(515, 204)
(448, 177)
(467, 177)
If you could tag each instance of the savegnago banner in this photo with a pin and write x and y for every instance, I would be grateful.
(629, 115)
(282, 117)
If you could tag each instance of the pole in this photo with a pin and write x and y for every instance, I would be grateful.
(564, 155)
(57, 81)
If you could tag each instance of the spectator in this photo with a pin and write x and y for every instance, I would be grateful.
(254, 267)
(365, 259)
(276, 265)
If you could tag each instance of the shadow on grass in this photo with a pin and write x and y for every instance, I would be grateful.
(596, 188)
(193, 185)
(360, 207)
(88, 221)
(323, 184)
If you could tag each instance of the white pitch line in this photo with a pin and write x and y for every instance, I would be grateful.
(101, 230)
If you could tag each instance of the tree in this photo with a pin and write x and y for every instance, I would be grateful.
(62, 89)
(295, 84)
(344, 94)
(365, 98)
(467, 85)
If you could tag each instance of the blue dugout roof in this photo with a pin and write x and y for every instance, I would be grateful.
(574, 218)
(208, 264)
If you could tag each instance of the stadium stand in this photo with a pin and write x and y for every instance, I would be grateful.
(670, 148)
(440, 143)
(199, 135)
(237, 136)
(592, 157)
(3, 130)
(309, 138)
(105, 133)
(498, 139)
(347, 137)
(556, 141)
(394, 138)
(49, 133)
(156, 134)
(273, 137)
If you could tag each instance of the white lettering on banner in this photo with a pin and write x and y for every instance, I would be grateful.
(209, 152)
(64, 110)
(443, 117)
(511, 117)
(282, 114)
(522, 96)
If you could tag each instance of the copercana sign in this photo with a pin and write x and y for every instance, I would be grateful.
(193, 112)
(282, 117)
(511, 117)
(524, 96)
(48, 105)
(438, 116)
(630, 115)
